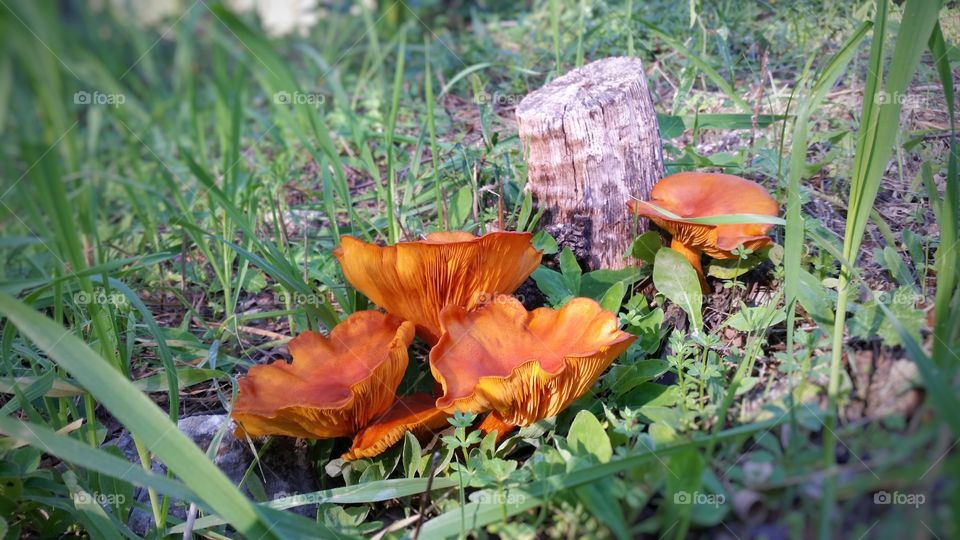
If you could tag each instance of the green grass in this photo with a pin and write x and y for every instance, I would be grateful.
(157, 248)
(874, 146)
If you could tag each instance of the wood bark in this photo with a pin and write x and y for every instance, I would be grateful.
(591, 141)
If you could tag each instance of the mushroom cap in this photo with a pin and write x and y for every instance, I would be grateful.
(415, 280)
(523, 365)
(695, 195)
(334, 386)
(417, 413)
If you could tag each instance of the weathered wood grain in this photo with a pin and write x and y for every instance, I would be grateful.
(591, 142)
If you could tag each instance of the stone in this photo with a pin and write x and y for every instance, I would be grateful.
(283, 470)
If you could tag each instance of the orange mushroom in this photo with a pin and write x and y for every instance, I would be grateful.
(415, 280)
(334, 387)
(522, 365)
(417, 413)
(690, 195)
(492, 422)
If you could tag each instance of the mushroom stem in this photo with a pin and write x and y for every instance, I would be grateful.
(493, 422)
(693, 255)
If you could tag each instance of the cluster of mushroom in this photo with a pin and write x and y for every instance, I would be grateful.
(489, 354)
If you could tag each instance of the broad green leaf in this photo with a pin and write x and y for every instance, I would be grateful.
(653, 395)
(570, 269)
(545, 243)
(746, 384)
(461, 207)
(649, 331)
(613, 298)
(411, 455)
(715, 505)
(646, 246)
(671, 126)
(676, 279)
(595, 284)
(775, 254)
(626, 378)
(913, 243)
(662, 433)
(734, 268)
(897, 268)
(552, 285)
(815, 299)
(587, 437)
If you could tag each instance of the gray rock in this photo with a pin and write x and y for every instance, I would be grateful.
(283, 470)
(233, 456)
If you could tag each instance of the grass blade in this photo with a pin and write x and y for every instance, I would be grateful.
(393, 232)
(881, 114)
(73, 451)
(947, 256)
(136, 411)
(432, 129)
(703, 66)
(383, 490)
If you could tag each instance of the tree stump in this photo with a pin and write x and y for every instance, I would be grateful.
(592, 142)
